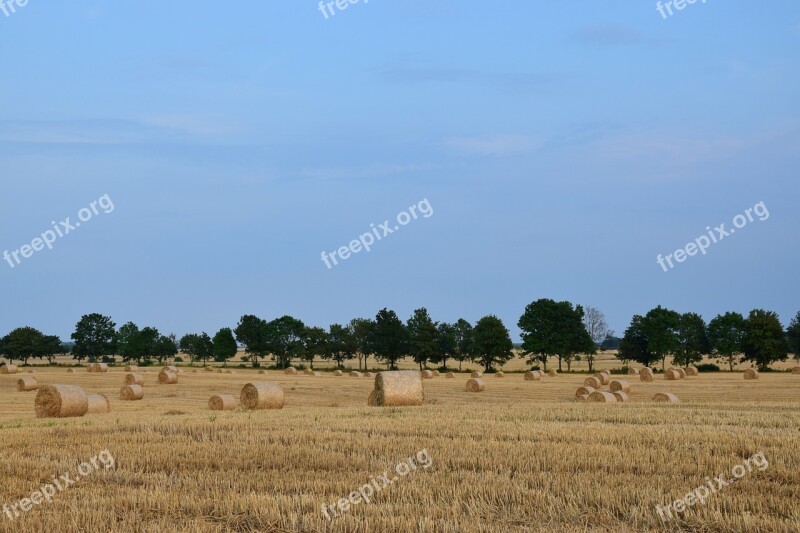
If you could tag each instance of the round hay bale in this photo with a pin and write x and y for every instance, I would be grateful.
(665, 397)
(27, 383)
(632, 371)
(646, 375)
(8, 369)
(426, 374)
(262, 371)
(450, 375)
(607, 372)
(552, 373)
(592, 382)
(100, 367)
(262, 395)
(223, 402)
(692, 371)
(167, 378)
(219, 371)
(98, 404)
(796, 370)
(337, 373)
(194, 371)
(681, 372)
(435, 373)
(603, 378)
(355, 374)
(131, 392)
(583, 393)
(170, 368)
(70, 371)
(134, 379)
(533, 375)
(291, 371)
(61, 401)
(751, 373)
(621, 396)
(131, 368)
(620, 385)
(602, 397)
(672, 375)
(399, 388)
(476, 375)
(90, 368)
(229, 371)
(308, 371)
(475, 385)
(208, 369)
(499, 374)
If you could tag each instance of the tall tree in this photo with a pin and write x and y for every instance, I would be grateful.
(463, 337)
(445, 344)
(341, 344)
(726, 336)
(793, 335)
(222, 348)
(285, 339)
(388, 339)
(125, 340)
(574, 338)
(314, 342)
(361, 330)
(661, 325)
(422, 337)
(595, 322)
(144, 344)
(95, 336)
(634, 345)
(693, 341)
(539, 325)
(492, 342)
(163, 348)
(764, 340)
(49, 347)
(253, 332)
(24, 343)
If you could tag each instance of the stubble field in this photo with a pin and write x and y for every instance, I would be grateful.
(521, 456)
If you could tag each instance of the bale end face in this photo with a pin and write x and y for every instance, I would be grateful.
(592, 382)
(618, 385)
(583, 393)
(621, 396)
(131, 393)
(134, 379)
(167, 378)
(61, 401)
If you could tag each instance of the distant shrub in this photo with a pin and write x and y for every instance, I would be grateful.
(708, 367)
(179, 359)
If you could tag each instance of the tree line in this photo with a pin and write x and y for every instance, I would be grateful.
(550, 330)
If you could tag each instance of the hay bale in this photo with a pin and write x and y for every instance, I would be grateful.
(8, 369)
(262, 395)
(229, 371)
(583, 393)
(291, 371)
(262, 371)
(604, 378)
(61, 401)
(70, 371)
(90, 368)
(369, 374)
(99, 367)
(533, 375)
(796, 370)
(476, 375)
(751, 373)
(692, 371)
(646, 375)
(131, 368)
(582, 398)
(194, 371)
(223, 402)
(31, 371)
(475, 385)
(602, 397)
(435, 373)
(337, 373)
(665, 397)
(355, 374)
(607, 372)
(314, 374)
(499, 374)
(27, 383)
(219, 371)
(592, 382)
(426, 374)
(308, 371)
(98, 404)
(208, 369)
(620, 385)
(552, 373)
(170, 368)
(681, 372)
(450, 375)
(167, 378)
(621, 396)
(134, 379)
(672, 375)
(632, 371)
(399, 388)
(131, 392)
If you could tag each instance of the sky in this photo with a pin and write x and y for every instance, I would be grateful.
(556, 149)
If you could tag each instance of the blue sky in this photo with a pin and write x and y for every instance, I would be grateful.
(561, 145)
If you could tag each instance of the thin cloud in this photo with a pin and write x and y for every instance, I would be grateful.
(609, 35)
(499, 146)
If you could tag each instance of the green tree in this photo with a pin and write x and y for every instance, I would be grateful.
(285, 336)
(574, 338)
(446, 345)
(223, 348)
(793, 336)
(23, 343)
(126, 340)
(422, 336)
(50, 346)
(314, 344)
(492, 342)
(95, 336)
(190, 344)
(341, 344)
(551, 328)
(764, 340)
(163, 348)
(253, 332)
(661, 326)
(361, 330)
(726, 336)
(388, 338)
(463, 338)
(693, 341)
(634, 345)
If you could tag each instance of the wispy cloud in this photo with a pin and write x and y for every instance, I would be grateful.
(499, 146)
(611, 35)
(332, 173)
(511, 80)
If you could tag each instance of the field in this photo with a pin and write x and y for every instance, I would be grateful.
(522, 456)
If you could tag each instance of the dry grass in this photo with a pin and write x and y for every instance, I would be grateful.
(504, 460)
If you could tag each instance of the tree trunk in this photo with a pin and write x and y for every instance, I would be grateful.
(559, 363)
